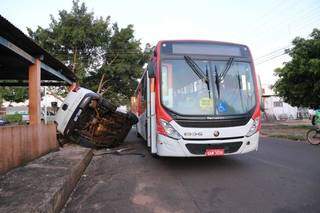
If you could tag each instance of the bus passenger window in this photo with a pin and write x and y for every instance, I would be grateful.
(167, 85)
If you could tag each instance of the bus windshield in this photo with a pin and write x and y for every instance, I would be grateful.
(185, 93)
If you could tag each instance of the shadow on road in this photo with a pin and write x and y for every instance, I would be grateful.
(202, 163)
(186, 163)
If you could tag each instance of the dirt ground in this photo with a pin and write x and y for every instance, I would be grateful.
(292, 130)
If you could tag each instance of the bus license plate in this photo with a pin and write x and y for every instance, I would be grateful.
(214, 152)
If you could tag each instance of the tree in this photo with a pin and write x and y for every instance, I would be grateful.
(97, 50)
(13, 94)
(299, 79)
(75, 38)
(123, 61)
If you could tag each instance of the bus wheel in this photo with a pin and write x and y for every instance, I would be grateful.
(138, 135)
(155, 156)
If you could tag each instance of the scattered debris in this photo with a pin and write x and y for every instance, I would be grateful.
(119, 151)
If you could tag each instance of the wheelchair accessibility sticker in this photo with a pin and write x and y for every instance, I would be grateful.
(222, 107)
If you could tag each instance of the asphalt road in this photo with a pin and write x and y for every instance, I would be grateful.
(283, 176)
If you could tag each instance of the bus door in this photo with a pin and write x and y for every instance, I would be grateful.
(143, 108)
(151, 115)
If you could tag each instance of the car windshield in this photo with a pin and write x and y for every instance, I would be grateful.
(183, 92)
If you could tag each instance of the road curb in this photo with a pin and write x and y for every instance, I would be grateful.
(62, 195)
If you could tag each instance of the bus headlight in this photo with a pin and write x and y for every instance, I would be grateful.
(254, 127)
(168, 128)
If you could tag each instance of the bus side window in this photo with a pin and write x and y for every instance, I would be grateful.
(144, 93)
(144, 88)
(151, 69)
(139, 100)
(167, 84)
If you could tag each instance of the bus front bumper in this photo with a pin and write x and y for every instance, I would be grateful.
(170, 147)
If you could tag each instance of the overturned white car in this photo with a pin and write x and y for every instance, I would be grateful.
(86, 116)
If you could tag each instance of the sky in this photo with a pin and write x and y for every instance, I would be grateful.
(267, 27)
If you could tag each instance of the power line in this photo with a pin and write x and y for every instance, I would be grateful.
(268, 55)
(281, 9)
(309, 23)
(308, 14)
(272, 52)
(265, 26)
(272, 58)
(280, 26)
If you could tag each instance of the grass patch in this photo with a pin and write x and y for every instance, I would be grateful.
(301, 127)
(285, 126)
(15, 118)
(284, 131)
(289, 137)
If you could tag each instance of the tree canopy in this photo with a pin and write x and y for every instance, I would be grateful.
(13, 94)
(122, 66)
(299, 79)
(96, 50)
(75, 38)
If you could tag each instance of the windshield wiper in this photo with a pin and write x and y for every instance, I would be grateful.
(217, 81)
(196, 69)
(208, 85)
(240, 90)
(225, 71)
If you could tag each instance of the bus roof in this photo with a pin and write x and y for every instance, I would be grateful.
(200, 41)
(202, 47)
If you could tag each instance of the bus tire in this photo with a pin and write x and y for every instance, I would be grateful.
(138, 135)
(155, 156)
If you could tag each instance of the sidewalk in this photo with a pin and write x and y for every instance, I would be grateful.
(44, 184)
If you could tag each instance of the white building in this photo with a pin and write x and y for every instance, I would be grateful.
(47, 103)
(275, 108)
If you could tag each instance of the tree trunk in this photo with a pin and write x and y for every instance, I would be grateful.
(101, 83)
(74, 60)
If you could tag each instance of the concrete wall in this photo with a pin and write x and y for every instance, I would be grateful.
(23, 143)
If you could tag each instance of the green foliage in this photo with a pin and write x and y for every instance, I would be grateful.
(75, 38)
(1, 98)
(94, 47)
(13, 94)
(299, 79)
(14, 118)
(122, 66)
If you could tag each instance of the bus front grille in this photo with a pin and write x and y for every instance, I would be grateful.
(200, 149)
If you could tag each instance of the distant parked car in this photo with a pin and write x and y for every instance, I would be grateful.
(3, 122)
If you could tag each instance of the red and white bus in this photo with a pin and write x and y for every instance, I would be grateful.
(198, 98)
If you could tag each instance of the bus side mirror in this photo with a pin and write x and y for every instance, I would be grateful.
(151, 70)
